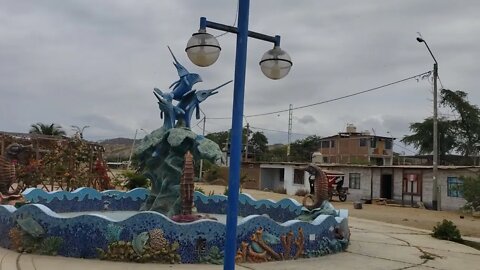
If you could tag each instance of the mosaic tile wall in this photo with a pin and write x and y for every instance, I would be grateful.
(269, 234)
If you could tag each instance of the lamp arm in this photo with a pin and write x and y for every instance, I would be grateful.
(204, 23)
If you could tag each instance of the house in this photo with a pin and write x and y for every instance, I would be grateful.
(352, 147)
(406, 184)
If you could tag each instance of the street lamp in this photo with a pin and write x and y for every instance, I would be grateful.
(203, 50)
(436, 194)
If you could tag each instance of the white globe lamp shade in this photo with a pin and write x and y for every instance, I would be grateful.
(276, 63)
(203, 49)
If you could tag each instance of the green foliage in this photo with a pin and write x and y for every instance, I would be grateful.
(225, 191)
(302, 150)
(422, 137)
(460, 135)
(471, 192)
(447, 231)
(213, 173)
(467, 126)
(199, 189)
(47, 129)
(135, 180)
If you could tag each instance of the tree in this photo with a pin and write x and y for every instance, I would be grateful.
(302, 150)
(220, 138)
(471, 192)
(467, 125)
(422, 137)
(46, 129)
(461, 134)
(258, 145)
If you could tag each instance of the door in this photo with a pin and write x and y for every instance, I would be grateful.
(386, 186)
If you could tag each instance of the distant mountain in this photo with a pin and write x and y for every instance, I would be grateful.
(118, 149)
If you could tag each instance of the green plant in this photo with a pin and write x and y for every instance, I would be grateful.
(212, 174)
(471, 192)
(301, 192)
(199, 189)
(135, 180)
(225, 192)
(281, 190)
(447, 230)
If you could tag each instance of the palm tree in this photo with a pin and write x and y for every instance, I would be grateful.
(46, 129)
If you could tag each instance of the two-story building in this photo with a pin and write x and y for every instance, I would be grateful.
(352, 147)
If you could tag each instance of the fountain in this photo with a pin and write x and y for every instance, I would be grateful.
(86, 223)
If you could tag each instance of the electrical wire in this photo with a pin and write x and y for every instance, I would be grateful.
(282, 131)
(233, 24)
(334, 99)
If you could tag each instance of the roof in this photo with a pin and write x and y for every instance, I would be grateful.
(356, 134)
(334, 165)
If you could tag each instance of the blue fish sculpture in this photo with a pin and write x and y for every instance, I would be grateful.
(168, 111)
(191, 101)
(186, 81)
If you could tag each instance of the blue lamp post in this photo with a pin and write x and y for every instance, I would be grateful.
(203, 50)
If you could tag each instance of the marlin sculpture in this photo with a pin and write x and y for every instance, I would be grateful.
(186, 81)
(191, 101)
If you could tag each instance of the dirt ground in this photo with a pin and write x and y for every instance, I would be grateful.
(412, 217)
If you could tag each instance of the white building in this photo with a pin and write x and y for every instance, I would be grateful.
(397, 183)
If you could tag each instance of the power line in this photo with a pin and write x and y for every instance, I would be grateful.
(282, 131)
(338, 98)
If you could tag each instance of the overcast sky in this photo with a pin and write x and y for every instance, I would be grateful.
(96, 63)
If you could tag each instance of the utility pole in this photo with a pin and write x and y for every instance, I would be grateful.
(436, 199)
(200, 175)
(246, 143)
(131, 150)
(436, 192)
(290, 116)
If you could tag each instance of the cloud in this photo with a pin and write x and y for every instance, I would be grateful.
(96, 63)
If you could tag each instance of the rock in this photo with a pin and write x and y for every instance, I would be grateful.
(357, 205)
(476, 214)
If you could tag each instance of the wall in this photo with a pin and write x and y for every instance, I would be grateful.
(271, 179)
(288, 184)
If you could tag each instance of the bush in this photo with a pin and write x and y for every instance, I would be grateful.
(447, 231)
(199, 189)
(471, 192)
(301, 192)
(135, 180)
(281, 190)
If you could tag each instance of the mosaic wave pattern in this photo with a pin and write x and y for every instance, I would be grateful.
(267, 235)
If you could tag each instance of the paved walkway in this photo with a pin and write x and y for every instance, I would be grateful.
(374, 245)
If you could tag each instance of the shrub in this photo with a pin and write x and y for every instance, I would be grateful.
(447, 231)
(135, 180)
(471, 192)
(199, 189)
(301, 192)
(281, 190)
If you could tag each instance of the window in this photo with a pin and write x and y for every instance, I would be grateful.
(298, 176)
(282, 175)
(325, 144)
(373, 142)
(454, 186)
(354, 181)
(363, 142)
(332, 143)
(412, 183)
(388, 144)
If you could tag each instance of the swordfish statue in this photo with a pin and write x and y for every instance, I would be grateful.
(188, 99)
(162, 154)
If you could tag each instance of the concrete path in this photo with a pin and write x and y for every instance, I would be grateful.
(374, 245)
